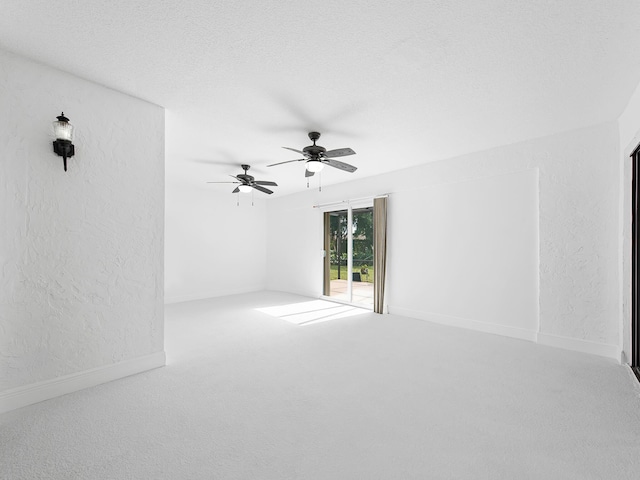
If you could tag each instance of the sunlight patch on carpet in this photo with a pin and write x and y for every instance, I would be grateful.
(315, 311)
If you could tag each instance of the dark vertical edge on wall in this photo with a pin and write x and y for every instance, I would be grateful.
(635, 259)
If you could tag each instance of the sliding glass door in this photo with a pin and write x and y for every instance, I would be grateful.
(348, 267)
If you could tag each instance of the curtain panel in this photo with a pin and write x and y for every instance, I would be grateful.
(380, 252)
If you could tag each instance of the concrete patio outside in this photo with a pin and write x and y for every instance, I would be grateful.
(362, 292)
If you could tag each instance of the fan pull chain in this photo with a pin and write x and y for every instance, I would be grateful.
(320, 181)
(307, 182)
(237, 199)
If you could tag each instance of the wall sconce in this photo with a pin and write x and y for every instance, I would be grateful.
(63, 132)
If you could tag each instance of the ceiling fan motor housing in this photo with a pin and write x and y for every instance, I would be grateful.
(245, 178)
(314, 151)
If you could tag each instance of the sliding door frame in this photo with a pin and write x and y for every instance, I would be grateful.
(341, 207)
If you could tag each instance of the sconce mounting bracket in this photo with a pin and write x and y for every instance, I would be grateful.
(65, 149)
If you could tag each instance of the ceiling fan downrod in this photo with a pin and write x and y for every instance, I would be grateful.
(313, 136)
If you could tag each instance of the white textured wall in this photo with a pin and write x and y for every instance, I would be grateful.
(468, 250)
(80, 252)
(213, 246)
(294, 243)
(629, 122)
(629, 126)
(578, 195)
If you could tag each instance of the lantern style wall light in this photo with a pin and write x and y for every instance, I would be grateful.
(63, 132)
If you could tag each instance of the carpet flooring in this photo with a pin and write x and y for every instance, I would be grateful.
(277, 386)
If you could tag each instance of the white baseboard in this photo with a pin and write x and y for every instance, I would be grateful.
(219, 293)
(494, 328)
(584, 346)
(37, 392)
(624, 358)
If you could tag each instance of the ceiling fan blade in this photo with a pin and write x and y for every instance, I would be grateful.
(339, 152)
(236, 190)
(294, 150)
(233, 176)
(224, 182)
(262, 182)
(307, 173)
(262, 189)
(288, 161)
(340, 165)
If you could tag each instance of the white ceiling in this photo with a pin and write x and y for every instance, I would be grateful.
(401, 82)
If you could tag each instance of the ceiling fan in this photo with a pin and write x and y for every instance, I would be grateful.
(247, 182)
(317, 157)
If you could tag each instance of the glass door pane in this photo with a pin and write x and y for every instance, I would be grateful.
(362, 234)
(338, 256)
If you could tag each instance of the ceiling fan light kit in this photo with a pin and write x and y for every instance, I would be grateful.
(315, 166)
